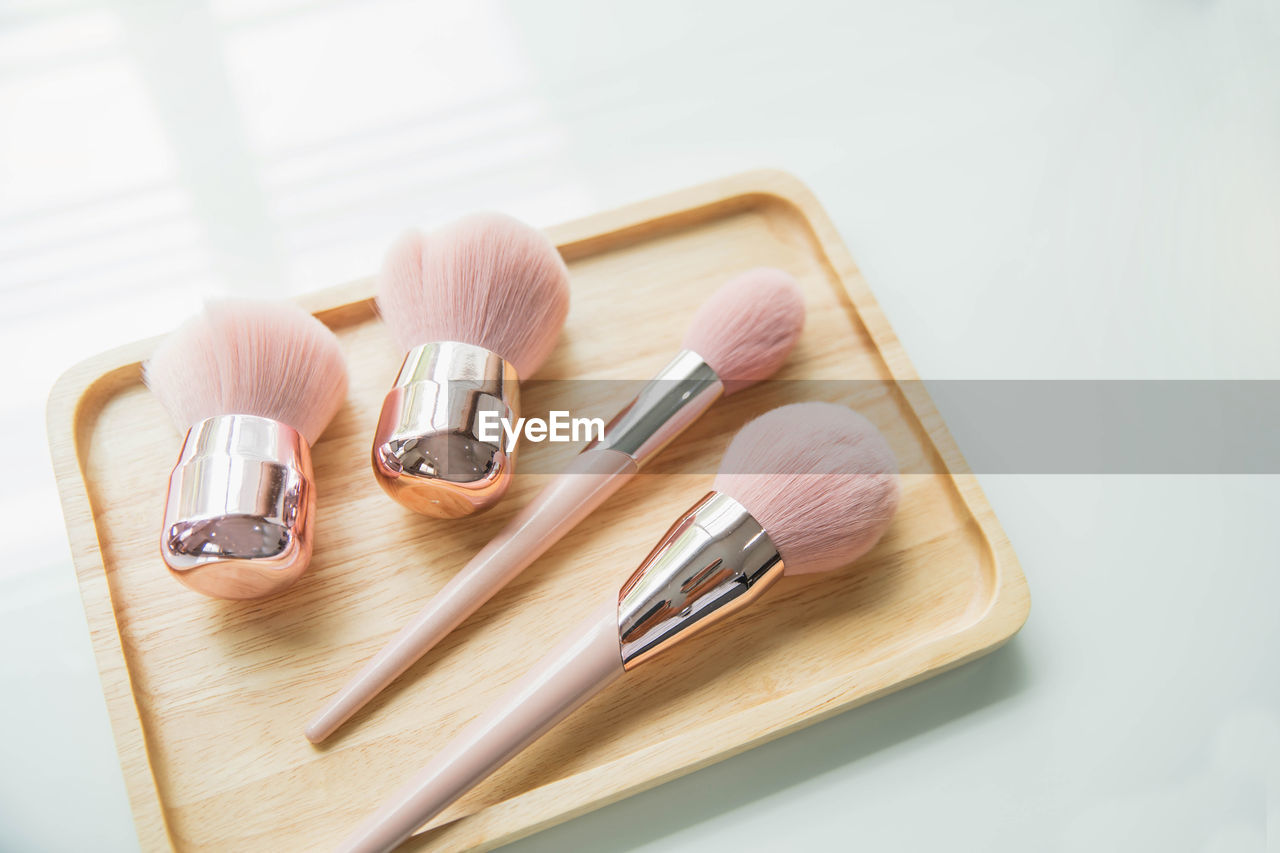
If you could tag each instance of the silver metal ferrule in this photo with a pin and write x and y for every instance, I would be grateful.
(713, 561)
(237, 520)
(664, 408)
(428, 452)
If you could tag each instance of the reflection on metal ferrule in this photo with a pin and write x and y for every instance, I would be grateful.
(428, 453)
(713, 561)
(238, 516)
(664, 408)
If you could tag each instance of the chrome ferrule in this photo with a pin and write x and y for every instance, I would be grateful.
(238, 518)
(428, 453)
(713, 561)
(664, 408)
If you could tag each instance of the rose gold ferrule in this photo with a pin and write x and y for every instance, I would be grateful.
(428, 451)
(237, 521)
(715, 560)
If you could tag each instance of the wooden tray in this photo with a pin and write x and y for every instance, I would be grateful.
(208, 699)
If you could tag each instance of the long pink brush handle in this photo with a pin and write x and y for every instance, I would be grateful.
(582, 665)
(592, 477)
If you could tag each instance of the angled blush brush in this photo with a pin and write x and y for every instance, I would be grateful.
(802, 489)
(253, 384)
(477, 305)
(740, 336)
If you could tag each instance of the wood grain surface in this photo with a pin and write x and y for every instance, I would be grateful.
(208, 699)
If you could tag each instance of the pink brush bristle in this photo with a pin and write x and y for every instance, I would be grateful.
(819, 478)
(748, 327)
(487, 280)
(243, 357)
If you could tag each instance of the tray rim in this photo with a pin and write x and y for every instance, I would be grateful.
(1007, 608)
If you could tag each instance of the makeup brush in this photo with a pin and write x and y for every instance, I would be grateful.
(741, 335)
(478, 306)
(805, 488)
(253, 384)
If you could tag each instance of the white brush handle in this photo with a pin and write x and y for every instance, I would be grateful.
(560, 683)
(589, 481)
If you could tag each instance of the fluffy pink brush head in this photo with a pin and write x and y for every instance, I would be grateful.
(819, 478)
(748, 327)
(487, 280)
(241, 357)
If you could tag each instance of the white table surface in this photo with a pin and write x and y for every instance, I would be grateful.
(1034, 190)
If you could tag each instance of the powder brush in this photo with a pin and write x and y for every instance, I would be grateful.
(803, 489)
(253, 384)
(477, 306)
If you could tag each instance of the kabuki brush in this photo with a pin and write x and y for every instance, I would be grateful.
(253, 384)
(741, 335)
(477, 305)
(802, 489)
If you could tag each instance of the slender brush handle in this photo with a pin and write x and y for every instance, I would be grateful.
(592, 477)
(581, 666)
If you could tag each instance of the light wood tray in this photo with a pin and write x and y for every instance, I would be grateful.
(208, 699)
